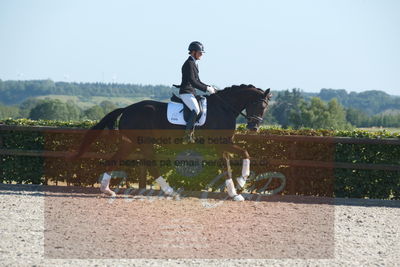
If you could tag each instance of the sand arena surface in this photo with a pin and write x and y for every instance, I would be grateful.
(76, 226)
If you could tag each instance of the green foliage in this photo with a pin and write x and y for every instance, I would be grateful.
(292, 110)
(15, 92)
(107, 106)
(360, 119)
(356, 117)
(286, 104)
(26, 106)
(9, 112)
(370, 102)
(297, 109)
(55, 110)
(84, 124)
(366, 109)
(94, 113)
(320, 115)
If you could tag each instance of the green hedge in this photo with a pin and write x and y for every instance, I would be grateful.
(299, 180)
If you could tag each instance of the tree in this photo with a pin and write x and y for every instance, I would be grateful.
(9, 112)
(107, 106)
(286, 104)
(26, 106)
(317, 114)
(55, 110)
(94, 113)
(73, 111)
(357, 117)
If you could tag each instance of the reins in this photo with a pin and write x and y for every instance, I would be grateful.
(257, 118)
(232, 108)
(249, 118)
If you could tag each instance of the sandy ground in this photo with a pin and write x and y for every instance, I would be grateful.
(46, 226)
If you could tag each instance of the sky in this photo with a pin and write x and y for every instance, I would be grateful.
(306, 44)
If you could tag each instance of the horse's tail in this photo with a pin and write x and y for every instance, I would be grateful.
(107, 122)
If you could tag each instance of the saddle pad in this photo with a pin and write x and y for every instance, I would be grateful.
(175, 113)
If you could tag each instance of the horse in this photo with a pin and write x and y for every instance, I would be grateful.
(223, 109)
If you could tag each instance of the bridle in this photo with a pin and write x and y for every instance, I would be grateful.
(253, 118)
(250, 118)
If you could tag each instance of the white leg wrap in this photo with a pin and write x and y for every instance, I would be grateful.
(241, 181)
(230, 187)
(164, 186)
(245, 173)
(246, 168)
(105, 183)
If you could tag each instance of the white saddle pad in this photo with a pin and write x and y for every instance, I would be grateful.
(175, 113)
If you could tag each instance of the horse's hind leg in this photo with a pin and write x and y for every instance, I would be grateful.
(124, 149)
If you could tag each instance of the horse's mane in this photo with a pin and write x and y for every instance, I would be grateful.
(239, 87)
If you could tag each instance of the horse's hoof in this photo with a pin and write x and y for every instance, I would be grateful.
(238, 198)
(169, 191)
(241, 182)
(108, 192)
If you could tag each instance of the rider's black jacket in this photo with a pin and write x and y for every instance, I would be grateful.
(190, 78)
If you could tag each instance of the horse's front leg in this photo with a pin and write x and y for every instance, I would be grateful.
(241, 180)
(230, 186)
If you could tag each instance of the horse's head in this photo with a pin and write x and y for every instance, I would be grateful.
(256, 108)
(248, 97)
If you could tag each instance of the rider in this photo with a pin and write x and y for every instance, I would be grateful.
(190, 82)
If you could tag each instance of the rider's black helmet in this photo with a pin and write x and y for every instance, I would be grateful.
(196, 46)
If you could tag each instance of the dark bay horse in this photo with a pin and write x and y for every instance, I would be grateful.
(149, 118)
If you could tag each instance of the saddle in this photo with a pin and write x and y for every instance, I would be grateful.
(186, 110)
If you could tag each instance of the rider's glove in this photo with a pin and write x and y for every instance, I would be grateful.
(211, 89)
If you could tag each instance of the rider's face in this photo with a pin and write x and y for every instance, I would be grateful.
(197, 55)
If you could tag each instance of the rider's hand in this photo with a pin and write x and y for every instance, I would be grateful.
(211, 89)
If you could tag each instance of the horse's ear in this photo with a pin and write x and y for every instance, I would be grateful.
(266, 92)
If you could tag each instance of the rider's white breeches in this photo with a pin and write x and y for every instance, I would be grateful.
(190, 101)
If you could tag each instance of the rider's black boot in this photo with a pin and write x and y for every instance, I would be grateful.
(189, 133)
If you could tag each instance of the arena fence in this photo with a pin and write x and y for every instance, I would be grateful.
(339, 166)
